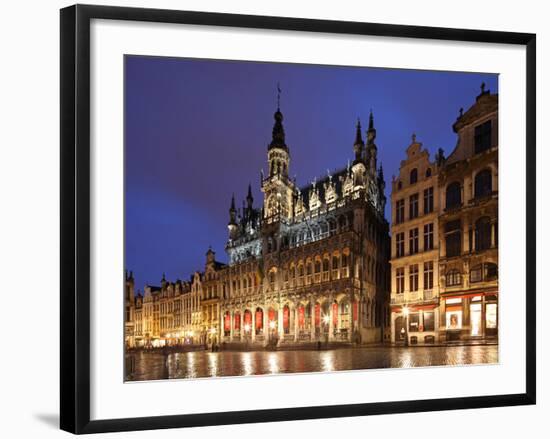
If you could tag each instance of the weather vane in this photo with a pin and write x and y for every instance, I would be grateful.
(278, 96)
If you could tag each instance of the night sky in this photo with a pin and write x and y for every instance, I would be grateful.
(197, 130)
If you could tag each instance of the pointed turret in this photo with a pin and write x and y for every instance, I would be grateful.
(249, 197)
(381, 182)
(358, 145)
(371, 150)
(232, 224)
(232, 211)
(371, 132)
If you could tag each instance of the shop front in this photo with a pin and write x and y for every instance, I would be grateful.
(415, 325)
(472, 316)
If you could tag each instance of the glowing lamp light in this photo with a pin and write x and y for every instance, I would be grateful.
(405, 311)
(272, 324)
(247, 328)
(326, 319)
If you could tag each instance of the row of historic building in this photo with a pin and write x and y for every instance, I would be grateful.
(316, 263)
(444, 260)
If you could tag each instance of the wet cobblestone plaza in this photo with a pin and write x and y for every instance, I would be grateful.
(143, 365)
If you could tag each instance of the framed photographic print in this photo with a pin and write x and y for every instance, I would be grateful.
(269, 219)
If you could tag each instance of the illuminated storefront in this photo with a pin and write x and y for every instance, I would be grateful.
(470, 316)
(418, 323)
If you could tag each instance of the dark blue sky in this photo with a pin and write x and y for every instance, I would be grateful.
(197, 130)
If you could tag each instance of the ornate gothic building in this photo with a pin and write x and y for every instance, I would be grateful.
(310, 264)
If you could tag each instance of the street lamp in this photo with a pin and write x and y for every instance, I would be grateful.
(406, 314)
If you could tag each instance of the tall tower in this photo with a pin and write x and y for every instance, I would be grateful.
(277, 188)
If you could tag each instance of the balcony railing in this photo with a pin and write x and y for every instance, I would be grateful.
(412, 297)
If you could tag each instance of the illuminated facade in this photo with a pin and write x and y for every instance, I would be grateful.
(311, 264)
(162, 316)
(462, 302)
(415, 246)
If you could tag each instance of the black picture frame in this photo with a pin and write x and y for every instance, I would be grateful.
(75, 218)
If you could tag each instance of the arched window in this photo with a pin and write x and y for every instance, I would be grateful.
(453, 278)
(429, 172)
(483, 185)
(326, 268)
(413, 176)
(286, 319)
(317, 270)
(259, 320)
(345, 265)
(453, 196)
(483, 233)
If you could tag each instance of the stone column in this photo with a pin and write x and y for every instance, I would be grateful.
(465, 240)
(330, 322)
(296, 322)
(483, 317)
(253, 329)
(265, 329)
(312, 319)
(231, 324)
(493, 236)
(280, 329)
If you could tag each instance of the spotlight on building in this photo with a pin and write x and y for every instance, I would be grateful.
(247, 328)
(406, 311)
(272, 324)
(326, 319)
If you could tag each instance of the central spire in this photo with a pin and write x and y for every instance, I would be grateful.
(278, 135)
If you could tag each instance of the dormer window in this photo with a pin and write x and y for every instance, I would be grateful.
(414, 176)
